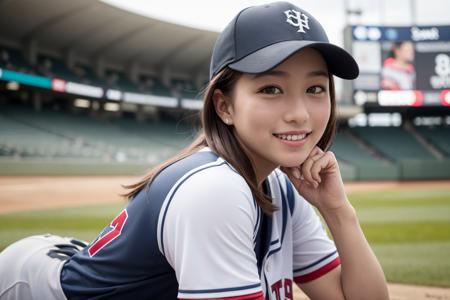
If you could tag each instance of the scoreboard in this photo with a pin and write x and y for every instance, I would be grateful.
(400, 66)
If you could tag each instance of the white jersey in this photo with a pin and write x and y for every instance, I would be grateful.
(220, 244)
(194, 232)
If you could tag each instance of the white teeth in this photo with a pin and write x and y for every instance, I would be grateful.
(291, 137)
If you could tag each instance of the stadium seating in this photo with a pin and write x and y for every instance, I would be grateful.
(118, 80)
(54, 67)
(184, 89)
(25, 133)
(85, 74)
(56, 135)
(367, 165)
(439, 136)
(394, 142)
(348, 150)
(23, 140)
(151, 84)
(24, 128)
(13, 59)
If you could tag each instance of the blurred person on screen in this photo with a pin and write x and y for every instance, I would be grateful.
(398, 71)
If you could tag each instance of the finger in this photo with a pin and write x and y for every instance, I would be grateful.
(317, 167)
(306, 170)
(296, 178)
(315, 154)
(294, 174)
(303, 186)
(315, 174)
(322, 163)
(315, 151)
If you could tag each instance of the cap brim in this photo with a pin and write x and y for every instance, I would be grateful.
(339, 61)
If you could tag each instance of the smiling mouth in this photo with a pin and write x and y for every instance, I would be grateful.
(291, 137)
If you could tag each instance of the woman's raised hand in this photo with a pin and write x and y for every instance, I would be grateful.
(319, 181)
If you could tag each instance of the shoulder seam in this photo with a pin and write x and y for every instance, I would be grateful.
(175, 188)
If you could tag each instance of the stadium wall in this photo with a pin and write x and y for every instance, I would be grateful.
(424, 170)
(69, 168)
(405, 170)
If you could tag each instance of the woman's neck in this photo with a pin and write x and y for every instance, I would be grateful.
(262, 167)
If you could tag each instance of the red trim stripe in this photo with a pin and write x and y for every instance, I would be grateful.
(319, 272)
(256, 296)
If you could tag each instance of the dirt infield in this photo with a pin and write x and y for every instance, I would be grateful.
(35, 193)
(31, 193)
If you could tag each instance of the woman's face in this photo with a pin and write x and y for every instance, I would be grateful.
(280, 115)
(405, 52)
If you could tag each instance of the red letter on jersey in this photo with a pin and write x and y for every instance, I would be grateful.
(276, 288)
(288, 289)
(116, 225)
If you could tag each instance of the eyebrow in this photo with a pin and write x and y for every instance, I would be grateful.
(285, 74)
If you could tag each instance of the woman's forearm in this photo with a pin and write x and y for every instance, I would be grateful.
(361, 273)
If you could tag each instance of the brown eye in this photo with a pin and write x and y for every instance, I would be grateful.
(317, 89)
(270, 90)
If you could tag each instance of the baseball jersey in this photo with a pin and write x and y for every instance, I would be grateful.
(395, 78)
(197, 232)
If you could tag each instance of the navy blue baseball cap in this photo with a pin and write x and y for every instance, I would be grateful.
(261, 37)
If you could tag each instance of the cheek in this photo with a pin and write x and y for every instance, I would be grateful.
(253, 114)
(321, 115)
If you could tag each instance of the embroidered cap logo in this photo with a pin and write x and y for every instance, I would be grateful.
(297, 19)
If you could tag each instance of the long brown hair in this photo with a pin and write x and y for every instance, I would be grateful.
(220, 138)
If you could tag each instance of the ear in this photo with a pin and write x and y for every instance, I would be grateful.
(223, 107)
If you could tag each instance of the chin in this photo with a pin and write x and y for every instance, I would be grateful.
(294, 162)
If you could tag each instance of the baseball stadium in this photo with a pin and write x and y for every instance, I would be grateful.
(92, 96)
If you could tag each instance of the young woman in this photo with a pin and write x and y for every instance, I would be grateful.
(230, 217)
(398, 70)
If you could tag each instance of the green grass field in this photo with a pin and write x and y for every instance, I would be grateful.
(408, 229)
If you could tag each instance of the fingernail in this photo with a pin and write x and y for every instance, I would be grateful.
(296, 173)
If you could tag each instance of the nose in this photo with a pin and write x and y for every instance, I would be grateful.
(296, 110)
